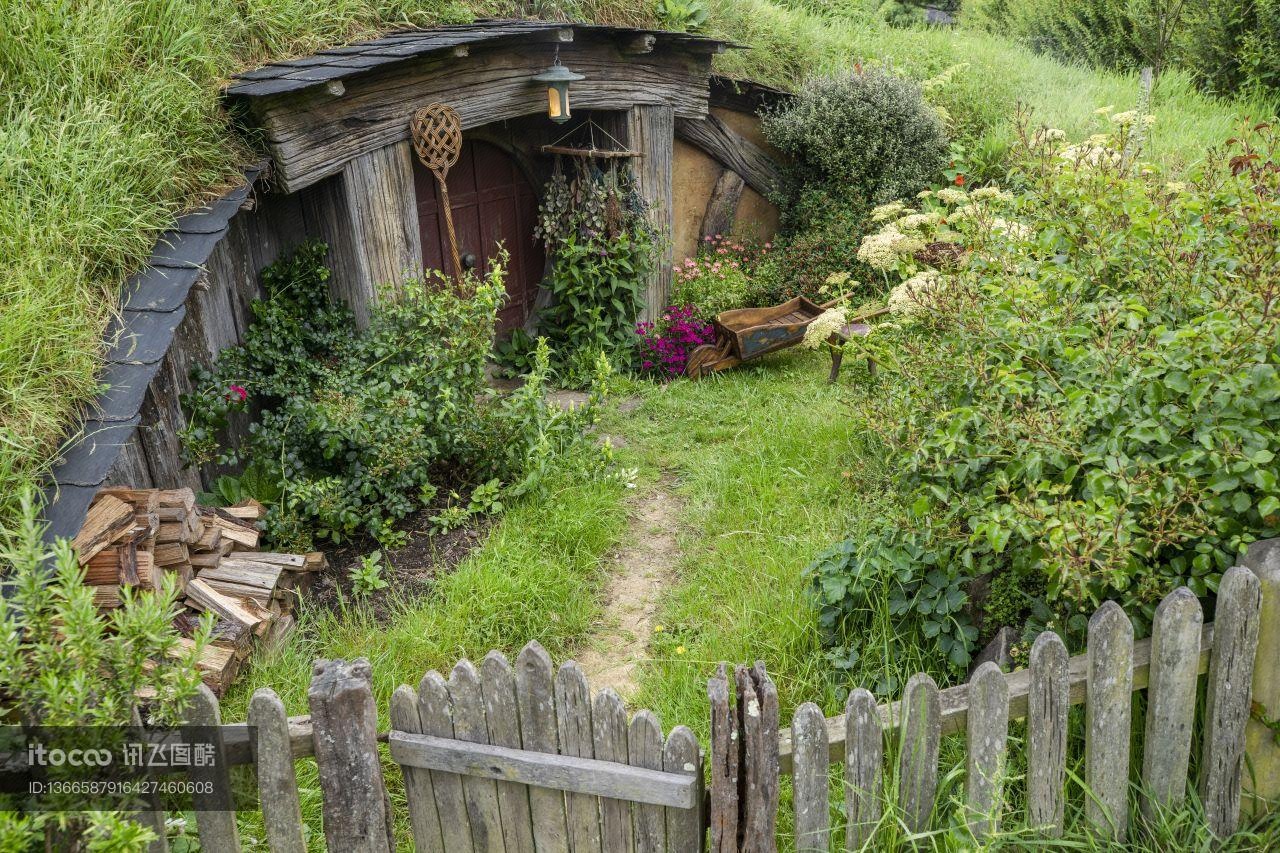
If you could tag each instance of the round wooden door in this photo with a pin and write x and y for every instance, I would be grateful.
(493, 204)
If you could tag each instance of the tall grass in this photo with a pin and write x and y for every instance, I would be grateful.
(110, 123)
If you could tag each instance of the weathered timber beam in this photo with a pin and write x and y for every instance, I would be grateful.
(722, 206)
(955, 700)
(732, 150)
(312, 135)
(545, 770)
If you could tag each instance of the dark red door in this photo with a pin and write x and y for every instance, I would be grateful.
(493, 204)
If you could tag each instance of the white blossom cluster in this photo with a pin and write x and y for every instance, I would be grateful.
(917, 294)
(892, 210)
(883, 249)
(823, 325)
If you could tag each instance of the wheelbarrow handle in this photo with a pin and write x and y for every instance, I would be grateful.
(824, 306)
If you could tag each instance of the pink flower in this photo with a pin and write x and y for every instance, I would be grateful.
(237, 392)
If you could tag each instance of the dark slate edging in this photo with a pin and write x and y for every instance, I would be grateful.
(338, 63)
(153, 304)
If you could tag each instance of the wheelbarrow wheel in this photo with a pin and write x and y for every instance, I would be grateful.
(699, 359)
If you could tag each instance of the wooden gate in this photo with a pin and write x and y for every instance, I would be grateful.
(518, 760)
(493, 203)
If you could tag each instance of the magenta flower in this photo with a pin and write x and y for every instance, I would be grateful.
(237, 392)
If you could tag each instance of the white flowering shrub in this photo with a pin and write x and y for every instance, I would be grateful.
(1082, 403)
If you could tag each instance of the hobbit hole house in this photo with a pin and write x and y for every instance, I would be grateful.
(341, 168)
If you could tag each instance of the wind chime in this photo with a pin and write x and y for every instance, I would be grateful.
(436, 131)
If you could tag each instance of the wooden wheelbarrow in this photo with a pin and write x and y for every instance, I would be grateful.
(745, 334)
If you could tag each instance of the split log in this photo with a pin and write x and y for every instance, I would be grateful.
(108, 519)
(245, 612)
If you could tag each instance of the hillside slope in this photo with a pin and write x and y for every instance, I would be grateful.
(110, 123)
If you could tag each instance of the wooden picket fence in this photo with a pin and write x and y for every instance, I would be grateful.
(525, 757)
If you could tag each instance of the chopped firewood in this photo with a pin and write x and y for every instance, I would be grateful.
(280, 631)
(242, 611)
(239, 532)
(146, 506)
(233, 636)
(292, 561)
(107, 520)
(217, 663)
(247, 572)
(210, 539)
(106, 596)
(189, 528)
(171, 553)
(205, 561)
(148, 575)
(186, 623)
(239, 590)
(104, 567)
(184, 498)
(249, 510)
(128, 563)
(315, 561)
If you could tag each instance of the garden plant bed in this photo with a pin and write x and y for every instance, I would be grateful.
(409, 570)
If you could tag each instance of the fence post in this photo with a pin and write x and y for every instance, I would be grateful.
(357, 814)
(1262, 735)
(216, 825)
(277, 782)
(920, 737)
(744, 762)
(758, 713)
(1108, 711)
(1226, 709)
(812, 803)
(863, 760)
(726, 755)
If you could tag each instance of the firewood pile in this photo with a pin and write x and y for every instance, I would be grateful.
(137, 537)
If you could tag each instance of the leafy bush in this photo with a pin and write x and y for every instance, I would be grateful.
(63, 664)
(664, 346)
(602, 247)
(823, 239)
(1226, 45)
(864, 137)
(359, 428)
(720, 277)
(1085, 397)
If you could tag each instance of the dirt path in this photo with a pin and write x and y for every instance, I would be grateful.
(640, 571)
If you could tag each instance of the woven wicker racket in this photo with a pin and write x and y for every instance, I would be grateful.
(436, 131)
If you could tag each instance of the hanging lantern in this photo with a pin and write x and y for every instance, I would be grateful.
(557, 79)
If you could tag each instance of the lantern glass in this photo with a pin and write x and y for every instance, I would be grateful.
(557, 79)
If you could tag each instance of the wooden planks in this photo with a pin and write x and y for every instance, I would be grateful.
(1261, 786)
(864, 758)
(987, 744)
(954, 700)
(919, 737)
(812, 811)
(651, 129)
(1171, 701)
(490, 757)
(380, 202)
(277, 782)
(1107, 719)
(1047, 706)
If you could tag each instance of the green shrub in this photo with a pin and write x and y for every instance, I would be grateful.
(719, 277)
(864, 137)
(358, 429)
(64, 665)
(1089, 402)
